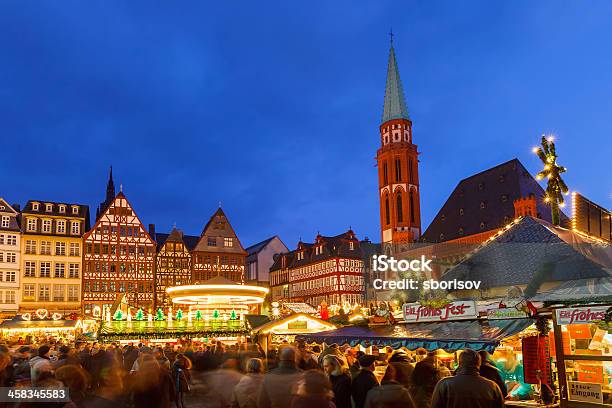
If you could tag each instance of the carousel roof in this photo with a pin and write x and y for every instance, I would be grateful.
(449, 335)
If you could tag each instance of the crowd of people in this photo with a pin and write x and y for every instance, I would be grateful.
(243, 376)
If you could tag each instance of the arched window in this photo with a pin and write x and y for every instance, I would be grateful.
(387, 214)
(400, 207)
(412, 207)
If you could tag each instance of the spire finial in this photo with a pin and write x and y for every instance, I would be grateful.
(391, 36)
(121, 188)
(219, 204)
(111, 173)
(174, 225)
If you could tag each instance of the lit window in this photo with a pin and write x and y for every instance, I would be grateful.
(35, 207)
(60, 248)
(351, 245)
(75, 249)
(46, 226)
(11, 257)
(43, 292)
(11, 240)
(28, 291)
(30, 269)
(75, 228)
(60, 270)
(58, 293)
(45, 269)
(75, 209)
(48, 207)
(228, 242)
(6, 221)
(61, 227)
(31, 224)
(73, 293)
(62, 209)
(10, 296)
(45, 247)
(10, 276)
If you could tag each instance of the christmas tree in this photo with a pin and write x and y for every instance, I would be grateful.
(215, 314)
(159, 315)
(198, 315)
(139, 315)
(179, 314)
(118, 315)
(233, 315)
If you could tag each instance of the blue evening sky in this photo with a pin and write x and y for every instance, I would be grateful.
(273, 108)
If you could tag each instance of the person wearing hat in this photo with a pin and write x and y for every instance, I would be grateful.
(364, 381)
(39, 364)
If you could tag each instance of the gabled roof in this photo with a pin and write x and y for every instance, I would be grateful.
(218, 227)
(260, 245)
(497, 188)
(6, 208)
(532, 252)
(395, 102)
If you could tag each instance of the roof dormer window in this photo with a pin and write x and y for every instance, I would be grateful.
(48, 207)
(62, 209)
(75, 209)
(34, 206)
(351, 245)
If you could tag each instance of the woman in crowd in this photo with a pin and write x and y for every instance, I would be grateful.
(340, 380)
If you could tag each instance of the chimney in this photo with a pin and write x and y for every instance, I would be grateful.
(152, 231)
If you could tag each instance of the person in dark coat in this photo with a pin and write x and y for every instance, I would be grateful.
(364, 381)
(152, 385)
(489, 371)
(390, 394)
(278, 385)
(315, 391)
(467, 389)
(182, 378)
(340, 380)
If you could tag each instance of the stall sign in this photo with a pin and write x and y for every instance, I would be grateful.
(577, 315)
(591, 372)
(585, 392)
(415, 312)
(506, 313)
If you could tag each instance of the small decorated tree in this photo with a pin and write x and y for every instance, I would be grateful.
(233, 315)
(179, 315)
(139, 315)
(159, 315)
(118, 315)
(198, 315)
(215, 314)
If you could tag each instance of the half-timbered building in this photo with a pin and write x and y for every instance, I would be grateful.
(119, 257)
(329, 270)
(173, 264)
(218, 252)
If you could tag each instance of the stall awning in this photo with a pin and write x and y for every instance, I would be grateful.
(124, 330)
(449, 336)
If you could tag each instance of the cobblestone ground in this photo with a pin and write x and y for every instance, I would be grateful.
(211, 389)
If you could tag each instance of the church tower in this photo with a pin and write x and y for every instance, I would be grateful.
(398, 165)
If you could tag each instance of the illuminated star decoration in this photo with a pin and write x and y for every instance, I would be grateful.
(556, 187)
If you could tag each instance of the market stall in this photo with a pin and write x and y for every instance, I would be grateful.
(31, 330)
(288, 328)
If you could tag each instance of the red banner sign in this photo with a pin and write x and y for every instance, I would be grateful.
(415, 312)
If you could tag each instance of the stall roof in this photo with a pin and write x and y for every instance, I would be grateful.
(294, 324)
(578, 291)
(35, 324)
(449, 336)
(162, 329)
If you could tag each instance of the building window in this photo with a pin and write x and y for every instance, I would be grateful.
(461, 212)
(60, 226)
(6, 221)
(28, 291)
(31, 224)
(43, 293)
(504, 198)
(228, 242)
(385, 173)
(30, 269)
(58, 293)
(30, 247)
(45, 247)
(387, 213)
(60, 248)
(10, 276)
(60, 270)
(73, 293)
(483, 205)
(412, 211)
(75, 209)
(351, 245)
(62, 209)
(75, 249)
(75, 228)
(481, 186)
(400, 207)
(45, 269)
(482, 225)
(11, 240)
(441, 237)
(11, 257)
(48, 207)
(398, 170)
(73, 270)
(212, 241)
(443, 217)
(35, 207)
(1, 239)
(10, 296)
(46, 226)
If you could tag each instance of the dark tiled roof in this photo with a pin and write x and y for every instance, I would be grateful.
(532, 252)
(219, 227)
(83, 209)
(258, 246)
(12, 213)
(497, 188)
(190, 240)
